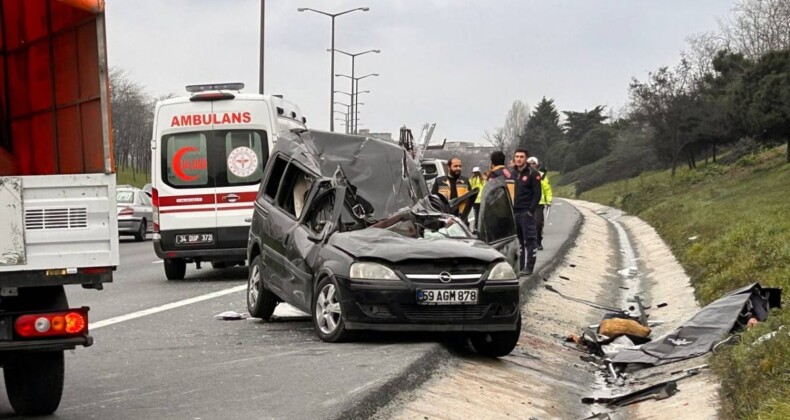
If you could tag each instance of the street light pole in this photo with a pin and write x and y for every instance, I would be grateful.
(260, 70)
(354, 97)
(332, 66)
(355, 86)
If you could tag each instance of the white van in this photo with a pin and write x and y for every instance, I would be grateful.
(208, 156)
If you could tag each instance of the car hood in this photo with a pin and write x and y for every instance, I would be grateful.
(390, 246)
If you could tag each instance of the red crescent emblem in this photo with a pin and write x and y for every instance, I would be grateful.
(524, 178)
(177, 160)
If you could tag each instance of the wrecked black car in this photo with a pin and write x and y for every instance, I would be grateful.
(344, 230)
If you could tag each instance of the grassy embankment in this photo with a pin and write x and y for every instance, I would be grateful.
(127, 177)
(728, 226)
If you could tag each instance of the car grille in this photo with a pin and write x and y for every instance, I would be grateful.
(56, 218)
(464, 271)
(444, 313)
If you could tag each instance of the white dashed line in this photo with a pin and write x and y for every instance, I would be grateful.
(166, 307)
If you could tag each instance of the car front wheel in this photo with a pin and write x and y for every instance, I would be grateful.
(260, 301)
(497, 344)
(327, 314)
(139, 236)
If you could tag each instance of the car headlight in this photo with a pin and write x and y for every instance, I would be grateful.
(371, 271)
(502, 271)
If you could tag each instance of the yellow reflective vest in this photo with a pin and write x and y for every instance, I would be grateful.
(545, 189)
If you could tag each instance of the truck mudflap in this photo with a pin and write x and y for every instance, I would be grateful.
(50, 330)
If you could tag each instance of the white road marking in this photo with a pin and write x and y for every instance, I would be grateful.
(157, 262)
(166, 307)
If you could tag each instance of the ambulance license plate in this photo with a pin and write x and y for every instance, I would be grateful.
(447, 297)
(195, 239)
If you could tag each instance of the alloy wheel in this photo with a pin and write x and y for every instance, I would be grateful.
(327, 309)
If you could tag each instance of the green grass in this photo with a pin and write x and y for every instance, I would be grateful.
(739, 219)
(128, 177)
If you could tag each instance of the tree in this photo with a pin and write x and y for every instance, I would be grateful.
(542, 131)
(505, 138)
(668, 102)
(132, 122)
(701, 51)
(756, 27)
(578, 124)
(763, 98)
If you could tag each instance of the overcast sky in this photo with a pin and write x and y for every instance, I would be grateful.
(458, 63)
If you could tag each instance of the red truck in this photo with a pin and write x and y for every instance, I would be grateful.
(58, 222)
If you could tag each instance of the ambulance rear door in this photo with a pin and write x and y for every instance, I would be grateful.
(241, 152)
(185, 176)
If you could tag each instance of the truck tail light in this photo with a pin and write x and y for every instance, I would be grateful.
(155, 202)
(126, 211)
(73, 322)
(95, 270)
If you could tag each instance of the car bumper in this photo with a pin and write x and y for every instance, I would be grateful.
(387, 308)
(129, 225)
(208, 254)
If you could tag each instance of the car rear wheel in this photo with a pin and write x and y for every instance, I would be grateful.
(260, 302)
(327, 314)
(175, 268)
(139, 236)
(497, 344)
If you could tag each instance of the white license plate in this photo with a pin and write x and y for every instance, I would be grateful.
(447, 297)
(196, 238)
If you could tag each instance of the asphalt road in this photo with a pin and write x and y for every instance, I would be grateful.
(176, 361)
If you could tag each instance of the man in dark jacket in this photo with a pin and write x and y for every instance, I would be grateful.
(525, 204)
(453, 185)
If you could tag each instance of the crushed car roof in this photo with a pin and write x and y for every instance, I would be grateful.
(381, 172)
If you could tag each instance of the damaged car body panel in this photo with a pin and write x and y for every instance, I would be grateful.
(343, 230)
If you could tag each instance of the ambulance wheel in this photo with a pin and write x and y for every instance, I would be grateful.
(139, 236)
(34, 382)
(260, 301)
(497, 344)
(175, 268)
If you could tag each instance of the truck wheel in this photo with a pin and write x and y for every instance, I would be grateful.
(139, 236)
(327, 314)
(34, 382)
(497, 344)
(260, 301)
(175, 268)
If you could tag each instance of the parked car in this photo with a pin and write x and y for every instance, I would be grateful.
(135, 212)
(344, 230)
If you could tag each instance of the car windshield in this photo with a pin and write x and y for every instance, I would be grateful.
(125, 197)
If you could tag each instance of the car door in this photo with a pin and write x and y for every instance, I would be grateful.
(497, 225)
(318, 222)
(283, 219)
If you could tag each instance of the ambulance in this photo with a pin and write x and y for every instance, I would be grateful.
(208, 155)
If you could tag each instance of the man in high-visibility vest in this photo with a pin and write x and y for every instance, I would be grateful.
(545, 199)
(453, 185)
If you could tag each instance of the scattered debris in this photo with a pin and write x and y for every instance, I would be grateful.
(564, 278)
(585, 302)
(658, 392)
(616, 327)
(230, 316)
(573, 265)
(662, 305)
(768, 336)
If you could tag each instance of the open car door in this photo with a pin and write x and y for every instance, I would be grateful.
(497, 224)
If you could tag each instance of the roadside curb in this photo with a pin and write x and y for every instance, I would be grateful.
(562, 252)
(411, 377)
(421, 370)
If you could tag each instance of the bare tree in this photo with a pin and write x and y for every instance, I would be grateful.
(702, 49)
(132, 123)
(515, 121)
(756, 27)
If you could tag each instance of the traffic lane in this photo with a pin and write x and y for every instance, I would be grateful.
(185, 364)
(139, 283)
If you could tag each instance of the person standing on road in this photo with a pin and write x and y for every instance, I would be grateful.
(453, 185)
(545, 199)
(476, 182)
(497, 166)
(525, 205)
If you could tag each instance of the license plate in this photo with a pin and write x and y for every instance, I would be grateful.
(447, 297)
(196, 238)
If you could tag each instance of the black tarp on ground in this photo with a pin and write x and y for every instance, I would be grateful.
(698, 335)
